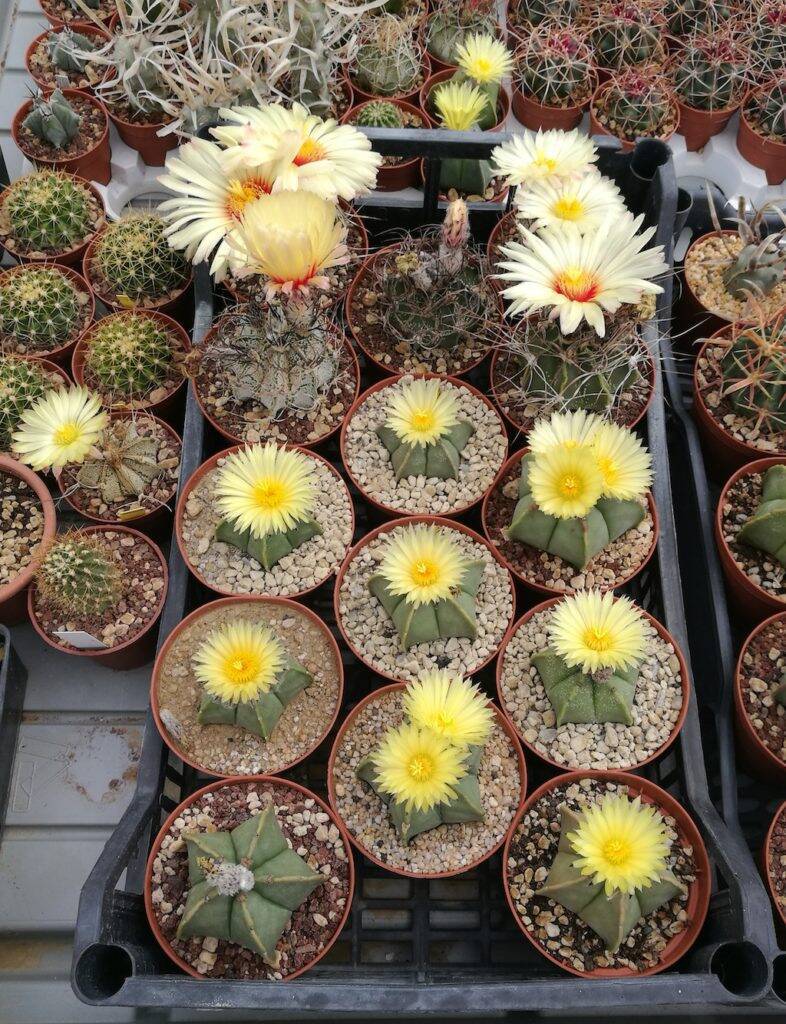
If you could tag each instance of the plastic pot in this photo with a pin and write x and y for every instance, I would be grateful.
(300, 791)
(95, 165)
(206, 467)
(687, 835)
(534, 115)
(404, 174)
(131, 653)
(766, 857)
(754, 751)
(13, 595)
(404, 872)
(597, 128)
(387, 382)
(144, 138)
(238, 601)
(697, 127)
(84, 28)
(386, 528)
(503, 100)
(762, 152)
(556, 765)
(751, 602)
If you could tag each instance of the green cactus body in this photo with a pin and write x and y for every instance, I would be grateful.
(554, 66)
(388, 60)
(613, 917)
(271, 548)
(621, 42)
(574, 540)
(779, 693)
(637, 106)
(408, 823)
(449, 26)
(422, 624)
(769, 106)
(470, 176)
(535, 11)
(688, 18)
(439, 460)
(127, 462)
(704, 80)
(756, 271)
(753, 369)
(766, 528)
(78, 576)
(64, 48)
(261, 715)
(768, 39)
(379, 114)
(134, 259)
(576, 697)
(22, 383)
(245, 884)
(48, 211)
(127, 356)
(39, 309)
(53, 120)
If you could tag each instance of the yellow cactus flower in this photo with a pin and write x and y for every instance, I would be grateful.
(588, 202)
(624, 462)
(451, 706)
(459, 104)
(61, 427)
(422, 411)
(423, 564)
(418, 767)
(565, 482)
(238, 662)
(265, 488)
(595, 631)
(483, 58)
(563, 430)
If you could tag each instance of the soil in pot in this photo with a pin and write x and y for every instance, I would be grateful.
(341, 97)
(230, 749)
(655, 711)
(32, 222)
(705, 264)
(447, 848)
(21, 526)
(741, 502)
(91, 131)
(561, 933)
(761, 671)
(48, 75)
(43, 310)
(310, 832)
(775, 866)
(228, 570)
(67, 12)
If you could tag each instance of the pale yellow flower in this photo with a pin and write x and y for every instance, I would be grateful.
(594, 631)
(563, 430)
(451, 706)
(565, 482)
(624, 462)
(417, 767)
(483, 58)
(527, 156)
(238, 662)
(459, 105)
(61, 427)
(422, 411)
(422, 563)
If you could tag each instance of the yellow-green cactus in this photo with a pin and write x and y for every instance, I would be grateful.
(271, 548)
(606, 696)
(259, 716)
(439, 460)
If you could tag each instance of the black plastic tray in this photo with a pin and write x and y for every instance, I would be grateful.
(13, 683)
(443, 947)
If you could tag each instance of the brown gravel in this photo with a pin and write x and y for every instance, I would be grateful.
(21, 526)
(309, 831)
(665, 128)
(65, 10)
(227, 749)
(777, 863)
(562, 932)
(763, 665)
(447, 847)
(20, 246)
(43, 70)
(91, 129)
(705, 265)
(742, 501)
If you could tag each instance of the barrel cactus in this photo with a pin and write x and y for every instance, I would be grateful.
(767, 109)
(635, 105)
(710, 72)
(765, 530)
(626, 35)
(22, 383)
(48, 211)
(123, 464)
(388, 60)
(753, 373)
(244, 884)
(128, 356)
(53, 120)
(554, 65)
(690, 18)
(379, 114)
(79, 576)
(134, 262)
(68, 49)
(451, 21)
(40, 310)
(533, 12)
(768, 38)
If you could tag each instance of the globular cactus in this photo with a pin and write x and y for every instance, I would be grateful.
(635, 106)
(22, 383)
(66, 49)
(580, 698)
(270, 549)
(78, 576)
(48, 211)
(53, 120)
(753, 372)
(379, 114)
(690, 18)
(767, 109)
(122, 464)
(134, 259)
(453, 20)
(439, 460)
(244, 884)
(765, 530)
(554, 65)
(533, 12)
(626, 34)
(709, 73)
(40, 310)
(128, 355)
(768, 39)
(388, 60)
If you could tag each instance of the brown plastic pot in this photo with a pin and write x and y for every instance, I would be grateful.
(238, 600)
(406, 173)
(762, 762)
(596, 128)
(501, 720)
(556, 765)
(131, 653)
(361, 96)
(766, 857)
(535, 115)
(301, 791)
(751, 602)
(144, 138)
(387, 382)
(764, 153)
(192, 482)
(503, 100)
(697, 127)
(13, 595)
(84, 28)
(687, 835)
(95, 165)
(534, 585)
(698, 319)
(164, 405)
(386, 528)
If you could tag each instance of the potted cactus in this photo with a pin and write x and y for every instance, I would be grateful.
(262, 686)
(27, 526)
(395, 172)
(259, 849)
(389, 62)
(43, 311)
(573, 511)
(606, 875)
(768, 38)
(22, 383)
(553, 78)
(592, 681)
(761, 136)
(284, 547)
(65, 130)
(50, 216)
(59, 58)
(691, 18)
(524, 17)
(760, 700)
(429, 445)
(427, 776)
(627, 34)
(633, 105)
(66, 12)
(449, 24)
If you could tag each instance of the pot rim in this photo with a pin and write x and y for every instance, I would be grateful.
(54, 161)
(780, 910)
(743, 717)
(78, 26)
(597, 127)
(12, 467)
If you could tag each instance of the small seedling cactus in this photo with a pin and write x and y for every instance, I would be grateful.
(135, 262)
(128, 356)
(760, 265)
(554, 65)
(389, 59)
(22, 383)
(453, 20)
(122, 464)
(53, 120)
(245, 884)
(379, 114)
(79, 576)
(753, 374)
(626, 34)
(68, 49)
(47, 212)
(635, 106)
(40, 310)
(765, 530)
(710, 73)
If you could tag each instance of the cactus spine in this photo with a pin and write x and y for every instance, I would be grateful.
(555, 66)
(128, 355)
(40, 310)
(134, 259)
(709, 73)
(626, 35)
(22, 383)
(379, 114)
(78, 576)
(767, 109)
(635, 106)
(388, 60)
(53, 120)
(48, 211)
(753, 370)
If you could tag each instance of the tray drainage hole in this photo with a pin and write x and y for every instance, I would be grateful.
(741, 968)
(779, 977)
(101, 971)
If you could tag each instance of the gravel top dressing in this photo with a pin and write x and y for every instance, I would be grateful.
(742, 501)
(704, 269)
(763, 667)
(21, 526)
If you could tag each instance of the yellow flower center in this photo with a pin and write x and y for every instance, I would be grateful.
(421, 767)
(423, 421)
(481, 68)
(242, 668)
(309, 153)
(445, 721)
(66, 434)
(425, 573)
(269, 494)
(569, 208)
(548, 163)
(616, 851)
(569, 485)
(597, 639)
(242, 192)
(576, 284)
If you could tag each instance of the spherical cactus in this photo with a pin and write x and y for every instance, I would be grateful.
(22, 383)
(40, 310)
(452, 21)
(388, 60)
(533, 12)
(379, 114)
(78, 576)
(627, 35)
(690, 17)
(135, 263)
(709, 73)
(65, 48)
(127, 356)
(53, 120)
(636, 106)
(554, 65)
(770, 107)
(753, 369)
(47, 211)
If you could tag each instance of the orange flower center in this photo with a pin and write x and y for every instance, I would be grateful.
(576, 285)
(309, 153)
(242, 192)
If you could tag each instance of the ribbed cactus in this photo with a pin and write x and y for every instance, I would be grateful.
(128, 355)
(65, 48)
(123, 464)
(768, 38)
(709, 73)
(635, 106)
(453, 20)
(439, 459)
(271, 548)
(379, 114)
(582, 698)
(554, 65)
(261, 715)
(766, 528)
(756, 270)
(135, 261)
(625, 34)
(689, 18)
(40, 310)
(768, 106)
(388, 60)
(53, 120)
(245, 884)
(48, 211)
(78, 576)
(753, 372)
(533, 12)
(22, 383)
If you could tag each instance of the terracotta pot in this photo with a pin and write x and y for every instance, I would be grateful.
(13, 595)
(144, 523)
(404, 174)
(95, 165)
(70, 257)
(762, 762)
(389, 382)
(751, 602)
(163, 406)
(386, 528)
(503, 101)
(438, 65)
(534, 585)
(662, 632)
(688, 835)
(535, 115)
(131, 653)
(220, 784)
(697, 319)
(596, 128)
(84, 28)
(492, 248)
(410, 98)
(697, 127)
(766, 857)
(61, 355)
(280, 602)
(144, 138)
(192, 482)
(765, 153)
(403, 872)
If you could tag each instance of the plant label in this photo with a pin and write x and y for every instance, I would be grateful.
(80, 639)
